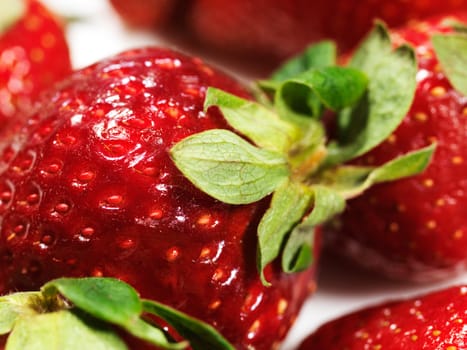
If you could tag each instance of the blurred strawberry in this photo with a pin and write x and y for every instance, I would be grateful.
(415, 228)
(33, 55)
(432, 321)
(277, 30)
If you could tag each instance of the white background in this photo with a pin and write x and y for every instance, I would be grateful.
(99, 33)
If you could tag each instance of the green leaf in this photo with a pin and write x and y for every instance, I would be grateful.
(374, 47)
(201, 335)
(351, 181)
(113, 301)
(253, 120)
(288, 205)
(334, 87)
(451, 51)
(298, 250)
(108, 299)
(228, 168)
(14, 306)
(389, 97)
(10, 12)
(319, 55)
(61, 330)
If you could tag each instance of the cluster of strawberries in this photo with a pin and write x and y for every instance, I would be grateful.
(153, 168)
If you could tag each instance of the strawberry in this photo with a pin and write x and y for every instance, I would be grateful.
(415, 228)
(432, 321)
(33, 55)
(156, 169)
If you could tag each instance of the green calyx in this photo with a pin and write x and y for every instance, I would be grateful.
(451, 51)
(82, 313)
(10, 12)
(284, 150)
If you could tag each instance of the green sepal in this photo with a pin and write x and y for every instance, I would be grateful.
(351, 181)
(288, 205)
(10, 12)
(451, 51)
(62, 330)
(298, 250)
(112, 301)
(254, 121)
(201, 335)
(319, 55)
(228, 168)
(390, 94)
(301, 97)
(14, 306)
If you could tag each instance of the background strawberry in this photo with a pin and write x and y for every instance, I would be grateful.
(33, 55)
(276, 30)
(415, 228)
(432, 321)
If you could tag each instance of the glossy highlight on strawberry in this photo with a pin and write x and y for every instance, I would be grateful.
(90, 190)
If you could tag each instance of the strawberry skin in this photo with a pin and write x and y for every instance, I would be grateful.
(415, 228)
(90, 190)
(33, 55)
(432, 321)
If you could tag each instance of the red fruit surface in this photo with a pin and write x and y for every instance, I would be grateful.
(415, 228)
(90, 190)
(279, 29)
(432, 321)
(33, 55)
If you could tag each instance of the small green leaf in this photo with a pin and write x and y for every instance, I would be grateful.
(389, 97)
(253, 120)
(319, 55)
(228, 168)
(373, 48)
(62, 330)
(201, 335)
(13, 306)
(451, 51)
(351, 181)
(406, 165)
(154, 335)
(288, 205)
(10, 12)
(107, 299)
(298, 250)
(334, 87)
(113, 301)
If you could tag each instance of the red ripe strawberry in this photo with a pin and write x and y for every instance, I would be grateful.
(415, 228)
(432, 321)
(33, 55)
(93, 192)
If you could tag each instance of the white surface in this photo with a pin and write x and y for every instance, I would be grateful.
(98, 34)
